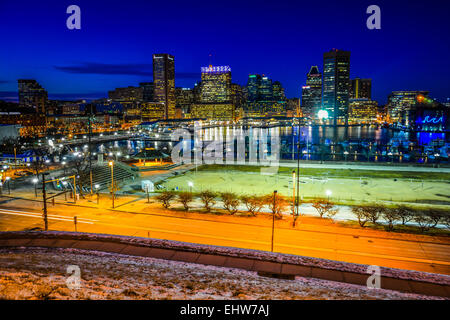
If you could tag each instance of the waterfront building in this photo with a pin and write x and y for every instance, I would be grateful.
(215, 94)
(336, 80)
(312, 93)
(184, 99)
(253, 84)
(361, 88)
(400, 103)
(362, 111)
(164, 83)
(151, 111)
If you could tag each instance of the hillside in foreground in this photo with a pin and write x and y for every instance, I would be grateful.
(41, 274)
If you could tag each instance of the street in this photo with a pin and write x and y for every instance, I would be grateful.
(413, 252)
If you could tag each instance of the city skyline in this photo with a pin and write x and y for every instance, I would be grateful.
(74, 72)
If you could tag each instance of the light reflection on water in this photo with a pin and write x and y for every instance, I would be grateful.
(310, 138)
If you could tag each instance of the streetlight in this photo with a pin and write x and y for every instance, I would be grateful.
(273, 216)
(98, 195)
(111, 164)
(190, 184)
(346, 155)
(9, 189)
(328, 193)
(293, 193)
(35, 181)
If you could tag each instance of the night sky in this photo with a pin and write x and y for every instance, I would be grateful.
(281, 39)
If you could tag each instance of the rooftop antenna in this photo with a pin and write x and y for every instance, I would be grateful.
(210, 58)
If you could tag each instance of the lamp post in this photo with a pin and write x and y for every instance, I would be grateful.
(346, 155)
(44, 196)
(273, 217)
(8, 179)
(90, 145)
(293, 194)
(328, 193)
(111, 164)
(190, 184)
(35, 181)
(98, 195)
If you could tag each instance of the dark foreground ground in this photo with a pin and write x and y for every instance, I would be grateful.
(41, 274)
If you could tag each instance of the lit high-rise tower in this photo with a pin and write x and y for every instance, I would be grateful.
(164, 82)
(312, 92)
(336, 81)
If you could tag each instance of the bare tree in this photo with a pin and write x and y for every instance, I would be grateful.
(373, 213)
(324, 207)
(360, 213)
(404, 213)
(81, 165)
(165, 198)
(446, 220)
(208, 199)
(277, 204)
(435, 217)
(390, 215)
(253, 203)
(230, 202)
(423, 221)
(185, 198)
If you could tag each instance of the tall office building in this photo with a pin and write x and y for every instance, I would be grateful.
(336, 81)
(265, 89)
(164, 83)
(215, 94)
(361, 88)
(216, 84)
(237, 95)
(312, 93)
(278, 91)
(32, 95)
(253, 84)
(264, 97)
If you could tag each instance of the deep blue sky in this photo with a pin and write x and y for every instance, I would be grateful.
(281, 39)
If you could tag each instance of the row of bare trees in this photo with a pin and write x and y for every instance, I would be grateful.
(400, 215)
(277, 204)
(254, 204)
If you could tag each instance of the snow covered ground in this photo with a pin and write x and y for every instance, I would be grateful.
(41, 274)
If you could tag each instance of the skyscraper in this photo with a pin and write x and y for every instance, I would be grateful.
(336, 81)
(265, 89)
(32, 95)
(264, 97)
(164, 82)
(253, 84)
(361, 89)
(278, 91)
(216, 84)
(215, 94)
(312, 92)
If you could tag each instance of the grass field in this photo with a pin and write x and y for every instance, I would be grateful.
(346, 185)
